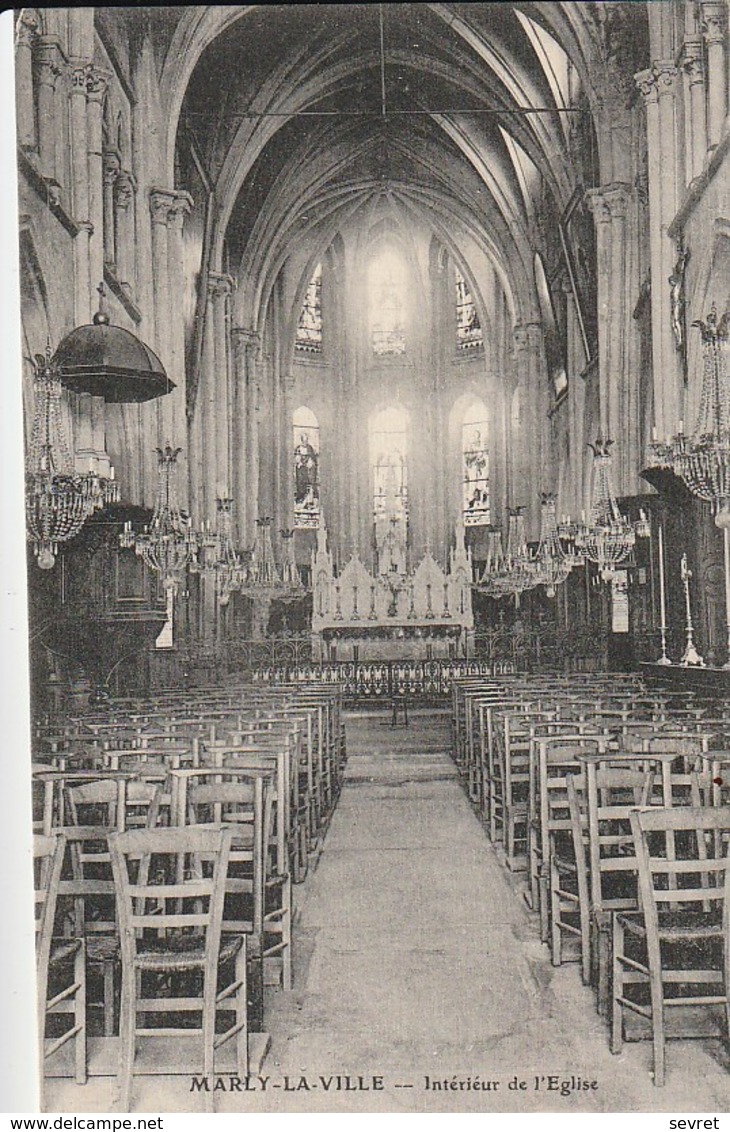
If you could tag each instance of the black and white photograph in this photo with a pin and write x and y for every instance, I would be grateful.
(374, 388)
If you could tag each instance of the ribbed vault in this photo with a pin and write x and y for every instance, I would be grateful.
(312, 116)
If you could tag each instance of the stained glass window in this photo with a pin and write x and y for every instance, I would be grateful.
(306, 469)
(475, 465)
(388, 457)
(468, 327)
(386, 280)
(309, 328)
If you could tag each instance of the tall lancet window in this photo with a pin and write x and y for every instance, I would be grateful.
(468, 327)
(386, 288)
(309, 327)
(306, 469)
(388, 457)
(475, 465)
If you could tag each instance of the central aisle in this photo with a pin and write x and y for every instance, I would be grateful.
(415, 957)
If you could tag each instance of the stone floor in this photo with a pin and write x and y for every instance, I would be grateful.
(417, 962)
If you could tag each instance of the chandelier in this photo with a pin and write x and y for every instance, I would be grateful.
(551, 564)
(703, 460)
(168, 545)
(58, 499)
(610, 537)
(509, 570)
(217, 554)
(264, 580)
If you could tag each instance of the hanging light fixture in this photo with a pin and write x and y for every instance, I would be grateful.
(265, 580)
(509, 571)
(551, 564)
(702, 460)
(609, 537)
(217, 553)
(58, 499)
(169, 544)
(229, 566)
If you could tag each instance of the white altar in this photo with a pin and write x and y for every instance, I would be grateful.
(394, 613)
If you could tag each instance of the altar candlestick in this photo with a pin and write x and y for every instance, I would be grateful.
(726, 537)
(663, 659)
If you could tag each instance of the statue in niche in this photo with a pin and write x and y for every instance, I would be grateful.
(306, 480)
(678, 298)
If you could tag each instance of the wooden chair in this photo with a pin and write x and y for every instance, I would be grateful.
(170, 897)
(669, 954)
(61, 962)
(241, 799)
(552, 758)
(95, 809)
(601, 876)
(613, 789)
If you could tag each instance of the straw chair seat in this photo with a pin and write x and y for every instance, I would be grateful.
(677, 925)
(182, 952)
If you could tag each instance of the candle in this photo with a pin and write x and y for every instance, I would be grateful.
(111, 472)
(662, 605)
(681, 428)
(654, 434)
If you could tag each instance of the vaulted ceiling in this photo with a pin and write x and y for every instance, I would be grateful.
(459, 114)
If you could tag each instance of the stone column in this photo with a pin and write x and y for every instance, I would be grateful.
(48, 71)
(111, 167)
(125, 187)
(158, 413)
(671, 375)
(695, 114)
(96, 86)
(26, 34)
(213, 394)
(79, 188)
(613, 208)
(520, 455)
(667, 89)
(180, 207)
(246, 344)
(665, 413)
(714, 28)
(220, 289)
(575, 362)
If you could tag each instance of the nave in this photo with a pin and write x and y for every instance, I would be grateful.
(415, 955)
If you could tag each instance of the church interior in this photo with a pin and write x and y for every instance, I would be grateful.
(376, 399)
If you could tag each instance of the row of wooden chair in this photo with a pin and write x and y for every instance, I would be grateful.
(155, 905)
(563, 777)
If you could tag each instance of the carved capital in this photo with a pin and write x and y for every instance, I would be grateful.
(79, 76)
(219, 285)
(666, 76)
(48, 63)
(161, 202)
(181, 207)
(714, 21)
(646, 82)
(125, 186)
(608, 202)
(97, 82)
(693, 63)
(246, 348)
